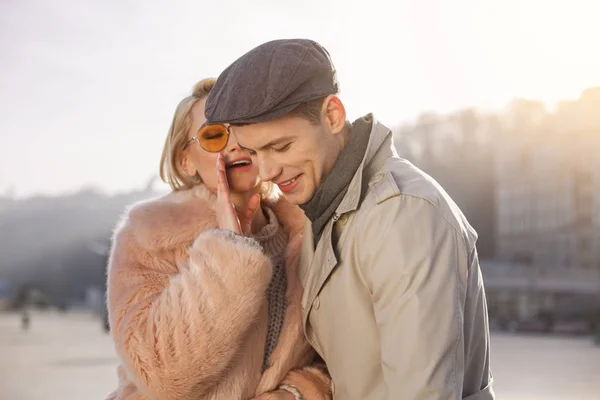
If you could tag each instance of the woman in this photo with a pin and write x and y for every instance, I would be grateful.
(204, 302)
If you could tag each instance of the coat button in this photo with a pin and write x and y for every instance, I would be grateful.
(377, 178)
(343, 219)
(316, 303)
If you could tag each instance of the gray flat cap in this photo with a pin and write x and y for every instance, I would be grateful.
(271, 80)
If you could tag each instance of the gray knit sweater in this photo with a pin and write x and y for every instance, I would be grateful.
(274, 240)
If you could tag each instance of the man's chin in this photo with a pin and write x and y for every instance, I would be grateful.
(297, 199)
(291, 198)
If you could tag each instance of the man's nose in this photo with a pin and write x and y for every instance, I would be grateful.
(267, 169)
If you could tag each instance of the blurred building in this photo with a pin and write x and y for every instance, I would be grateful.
(58, 244)
(547, 210)
(548, 190)
(451, 150)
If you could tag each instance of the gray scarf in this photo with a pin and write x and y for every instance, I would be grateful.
(330, 193)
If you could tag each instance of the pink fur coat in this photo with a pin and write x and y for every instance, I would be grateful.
(187, 305)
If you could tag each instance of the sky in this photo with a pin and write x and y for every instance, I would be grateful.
(88, 87)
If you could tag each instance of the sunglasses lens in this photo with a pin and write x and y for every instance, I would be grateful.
(213, 138)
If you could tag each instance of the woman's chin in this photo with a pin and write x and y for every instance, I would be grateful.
(243, 185)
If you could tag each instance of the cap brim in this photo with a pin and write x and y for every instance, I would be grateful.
(269, 116)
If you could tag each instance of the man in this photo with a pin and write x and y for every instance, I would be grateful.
(394, 300)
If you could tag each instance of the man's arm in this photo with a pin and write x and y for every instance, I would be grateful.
(415, 263)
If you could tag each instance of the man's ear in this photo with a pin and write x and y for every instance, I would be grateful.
(335, 114)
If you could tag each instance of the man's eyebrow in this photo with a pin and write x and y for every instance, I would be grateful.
(271, 143)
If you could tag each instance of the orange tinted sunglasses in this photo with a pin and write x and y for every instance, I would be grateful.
(213, 138)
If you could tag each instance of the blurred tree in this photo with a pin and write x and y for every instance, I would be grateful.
(425, 133)
(524, 117)
(468, 125)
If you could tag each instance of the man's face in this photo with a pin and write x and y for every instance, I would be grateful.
(291, 152)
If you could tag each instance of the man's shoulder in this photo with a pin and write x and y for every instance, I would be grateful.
(397, 177)
(398, 180)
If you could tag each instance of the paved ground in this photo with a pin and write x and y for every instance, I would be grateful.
(68, 357)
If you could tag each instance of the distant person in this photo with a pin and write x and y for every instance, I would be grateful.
(394, 299)
(203, 289)
(105, 321)
(596, 328)
(25, 318)
(26, 304)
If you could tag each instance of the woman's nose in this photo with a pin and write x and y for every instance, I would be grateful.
(232, 145)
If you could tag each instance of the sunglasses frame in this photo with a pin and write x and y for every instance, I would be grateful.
(195, 138)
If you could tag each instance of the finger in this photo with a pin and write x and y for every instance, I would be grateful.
(221, 176)
(226, 214)
(275, 395)
(264, 396)
(253, 205)
(222, 184)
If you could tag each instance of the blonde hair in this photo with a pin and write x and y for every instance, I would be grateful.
(171, 171)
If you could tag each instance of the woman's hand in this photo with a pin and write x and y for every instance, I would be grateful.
(276, 395)
(227, 217)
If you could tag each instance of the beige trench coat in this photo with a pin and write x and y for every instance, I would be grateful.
(394, 299)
